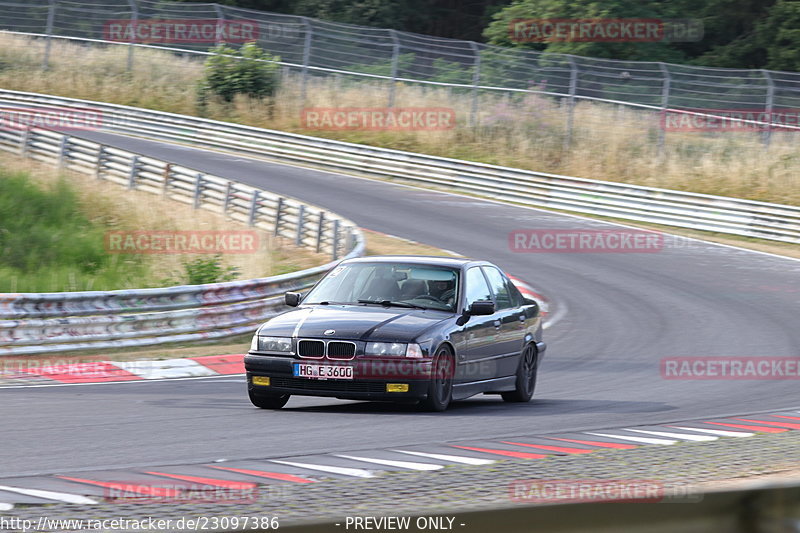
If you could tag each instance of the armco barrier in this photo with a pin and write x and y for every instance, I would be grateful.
(631, 202)
(58, 322)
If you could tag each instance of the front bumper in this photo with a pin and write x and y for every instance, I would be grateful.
(370, 380)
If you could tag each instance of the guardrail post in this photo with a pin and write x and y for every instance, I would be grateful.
(133, 172)
(395, 66)
(62, 151)
(251, 219)
(101, 157)
(278, 214)
(134, 23)
(301, 215)
(665, 88)
(198, 190)
(23, 142)
(476, 78)
(766, 137)
(306, 58)
(51, 17)
(227, 200)
(167, 174)
(320, 229)
(348, 239)
(573, 87)
(335, 240)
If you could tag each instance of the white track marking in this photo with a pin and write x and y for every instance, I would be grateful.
(643, 440)
(397, 464)
(698, 438)
(720, 432)
(127, 382)
(354, 472)
(50, 495)
(450, 458)
(167, 368)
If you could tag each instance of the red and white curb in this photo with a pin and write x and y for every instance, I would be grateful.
(121, 371)
(239, 481)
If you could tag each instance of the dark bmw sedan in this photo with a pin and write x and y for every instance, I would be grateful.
(400, 328)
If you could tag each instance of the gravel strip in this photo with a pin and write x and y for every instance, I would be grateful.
(460, 488)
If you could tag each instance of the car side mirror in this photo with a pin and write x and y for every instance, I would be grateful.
(292, 299)
(481, 307)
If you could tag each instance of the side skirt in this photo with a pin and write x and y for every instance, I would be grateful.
(465, 390)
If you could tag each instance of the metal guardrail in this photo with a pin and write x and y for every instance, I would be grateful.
(624, 201)
(57, 322)
(756, 508)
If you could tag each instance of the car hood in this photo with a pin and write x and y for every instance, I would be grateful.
(354, 322)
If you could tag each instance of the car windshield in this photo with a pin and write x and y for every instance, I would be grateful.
(400, 284)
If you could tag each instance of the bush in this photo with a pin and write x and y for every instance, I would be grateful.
(208, 270)
(254, 74)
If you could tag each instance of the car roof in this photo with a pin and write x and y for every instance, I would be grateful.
(431, 260)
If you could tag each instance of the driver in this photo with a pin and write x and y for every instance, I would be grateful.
(443, 290)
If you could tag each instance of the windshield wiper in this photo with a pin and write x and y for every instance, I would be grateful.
(390, 303)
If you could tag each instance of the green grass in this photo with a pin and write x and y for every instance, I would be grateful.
(47, 243)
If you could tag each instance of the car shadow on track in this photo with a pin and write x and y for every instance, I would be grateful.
(488, 405)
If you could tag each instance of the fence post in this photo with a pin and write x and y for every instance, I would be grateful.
(198, 190)
(62, 151)
(167, 174)
(767, 135)
(251, 219)
(306, 58)
(51, 17)
(395, 66)
(134, 27)
(278, 214)
(335, 239)
(301, 215)
(101, 156)
(132, 173)
(573, 87)
(220, 23)
(662, 126)
(226, 201)
(320, 228)
(476, 78)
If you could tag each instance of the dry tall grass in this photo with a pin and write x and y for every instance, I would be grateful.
(608, 142)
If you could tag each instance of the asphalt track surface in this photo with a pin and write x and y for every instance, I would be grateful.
(624, 313)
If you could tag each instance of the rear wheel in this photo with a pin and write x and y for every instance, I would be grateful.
(441, 386)
(268, 401)
(526, 377)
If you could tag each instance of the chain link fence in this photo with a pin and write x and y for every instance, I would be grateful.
(317, 48)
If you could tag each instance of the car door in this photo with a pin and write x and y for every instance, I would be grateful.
(508, 321)
(477, 356)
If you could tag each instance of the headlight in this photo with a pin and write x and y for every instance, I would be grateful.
(414, 350)
(385, 348)
(275, 344)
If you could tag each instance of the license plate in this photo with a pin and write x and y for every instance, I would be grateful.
(323, 371)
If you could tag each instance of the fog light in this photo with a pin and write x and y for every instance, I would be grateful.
(397, 387)
(261, 380)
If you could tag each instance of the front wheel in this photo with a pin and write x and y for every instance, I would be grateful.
(264, 401)
(526, 377)
(440, 391)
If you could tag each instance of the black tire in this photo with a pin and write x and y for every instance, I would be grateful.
(526, 376)
(440, 392)
(267, 401)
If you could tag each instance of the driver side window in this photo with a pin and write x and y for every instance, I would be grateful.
(476, 287)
